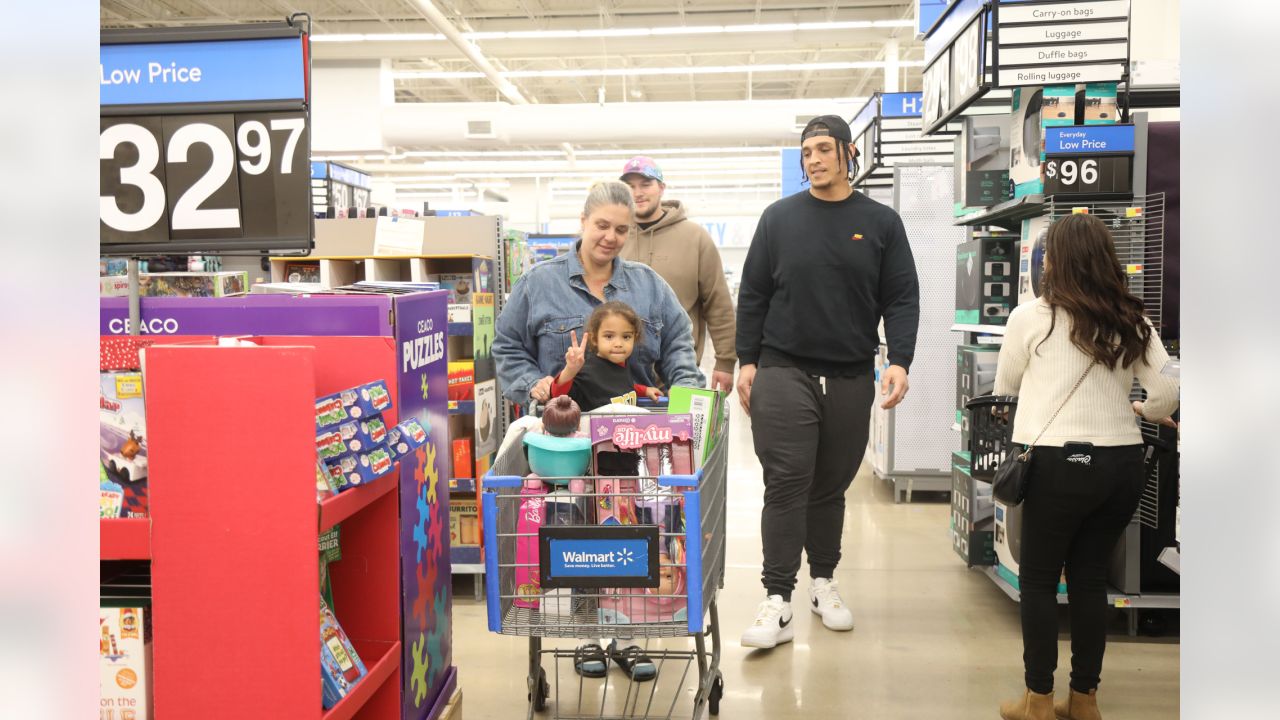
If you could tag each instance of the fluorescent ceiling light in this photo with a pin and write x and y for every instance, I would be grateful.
(642, 72)
(616, 32)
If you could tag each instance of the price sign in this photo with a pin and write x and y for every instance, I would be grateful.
(1088, 175)
(204, 144)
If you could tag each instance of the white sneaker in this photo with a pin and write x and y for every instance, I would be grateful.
(824, 600)
(772, 626)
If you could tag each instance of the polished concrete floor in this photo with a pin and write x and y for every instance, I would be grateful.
(933, 639)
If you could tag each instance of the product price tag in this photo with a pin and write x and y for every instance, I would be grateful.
(1088, 175)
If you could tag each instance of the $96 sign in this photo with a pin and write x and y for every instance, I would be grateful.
(212, 181)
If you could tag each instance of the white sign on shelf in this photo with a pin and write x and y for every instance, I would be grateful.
(1064, 75)
(1064, 12)
(925, 147)
(1059, 54)
(891, 124)
(398, 236)
(1061, 33)
(937, 89)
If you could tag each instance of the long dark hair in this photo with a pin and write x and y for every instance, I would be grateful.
(1083, 277)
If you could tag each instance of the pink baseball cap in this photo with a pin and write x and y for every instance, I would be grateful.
(641, 165)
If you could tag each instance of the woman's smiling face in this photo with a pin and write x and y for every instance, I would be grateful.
(604, 232)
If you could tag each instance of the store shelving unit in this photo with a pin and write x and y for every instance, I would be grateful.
(1007, 215)
(221, 528)
(1143, 601)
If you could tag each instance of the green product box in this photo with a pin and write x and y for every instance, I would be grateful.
(707, 408)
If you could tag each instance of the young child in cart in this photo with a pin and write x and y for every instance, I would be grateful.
(595, 374)
(595, 370)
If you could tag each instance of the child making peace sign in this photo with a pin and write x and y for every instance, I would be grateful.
(600, 377)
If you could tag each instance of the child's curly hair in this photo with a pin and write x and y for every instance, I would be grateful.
(613, 307)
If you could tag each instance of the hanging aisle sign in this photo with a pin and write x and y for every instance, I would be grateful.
(204, 142)
(1060, 42)
(887, 132)
(955, 63)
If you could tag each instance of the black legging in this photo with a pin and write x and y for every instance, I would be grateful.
(1075, 511)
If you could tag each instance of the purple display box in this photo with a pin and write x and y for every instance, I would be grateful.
(631, 432)
(418, 325)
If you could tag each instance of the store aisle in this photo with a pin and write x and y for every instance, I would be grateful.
(932, 638)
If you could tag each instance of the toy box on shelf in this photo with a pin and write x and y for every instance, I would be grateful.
(124, 657)
(353, 340)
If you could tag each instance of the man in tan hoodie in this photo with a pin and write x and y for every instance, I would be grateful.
(682, 252)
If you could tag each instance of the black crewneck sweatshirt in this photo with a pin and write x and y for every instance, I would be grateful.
(817, 280)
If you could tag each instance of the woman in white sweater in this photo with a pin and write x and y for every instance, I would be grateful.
(1086, 474)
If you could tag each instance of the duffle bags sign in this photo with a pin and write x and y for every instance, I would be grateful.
(1060, 43)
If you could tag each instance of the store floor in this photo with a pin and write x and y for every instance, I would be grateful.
(933, 639)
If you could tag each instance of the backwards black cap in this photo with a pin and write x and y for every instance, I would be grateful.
(828, 125)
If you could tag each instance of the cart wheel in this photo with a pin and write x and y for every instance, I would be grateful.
(538, 698)
(713, 700)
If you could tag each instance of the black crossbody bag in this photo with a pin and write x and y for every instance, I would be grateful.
(1010, 484)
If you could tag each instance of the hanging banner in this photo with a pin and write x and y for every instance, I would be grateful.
(1060, 42)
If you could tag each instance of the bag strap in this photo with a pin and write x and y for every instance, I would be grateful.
(1059, 410)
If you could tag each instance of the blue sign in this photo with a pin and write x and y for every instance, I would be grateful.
(928, 12)
(864, 118)
(793, 179)
(900, 105)
(1085, 139)
(599, 557)
(957, 17)
(202, 72)
(319, 170)
(349, 176)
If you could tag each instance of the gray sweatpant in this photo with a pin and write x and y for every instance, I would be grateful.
(810, 435)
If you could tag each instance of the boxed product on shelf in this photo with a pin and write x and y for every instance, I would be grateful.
(706, 408)
(330, 412)
(302, 272)
(363, 468)
(330, 546)
(459, 286)
(1101, 106)
(1034, 109)
(340, 666)
(329, 444)
(986, 280)
(325, 487)
(982, 158)
(464, 523)
(360, 435)
(124, 657)
(462, 458)
(1035, 232)
(972, 516)
(180, 284)
(975, 377)
(405, 438)
(123, 441)
(366, 400)
(112, 266)
(462, 380)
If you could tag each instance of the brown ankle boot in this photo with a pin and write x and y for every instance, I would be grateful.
(1031, 706)
(1079, 706)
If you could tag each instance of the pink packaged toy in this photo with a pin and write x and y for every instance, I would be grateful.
(528, 582)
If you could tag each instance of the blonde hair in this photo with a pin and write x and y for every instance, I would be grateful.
(608, 192)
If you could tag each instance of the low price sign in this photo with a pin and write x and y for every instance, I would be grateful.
(1089, 160)
(204, 141)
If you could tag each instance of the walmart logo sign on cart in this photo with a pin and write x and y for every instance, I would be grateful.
(599, 557)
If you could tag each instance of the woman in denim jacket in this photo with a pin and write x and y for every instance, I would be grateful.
(555, 297)
(553, 300)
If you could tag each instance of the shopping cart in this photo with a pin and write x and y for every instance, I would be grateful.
(678, 528)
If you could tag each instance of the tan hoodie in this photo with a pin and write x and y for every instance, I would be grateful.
(682, 252)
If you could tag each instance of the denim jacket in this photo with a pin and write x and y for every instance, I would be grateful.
(552, 299)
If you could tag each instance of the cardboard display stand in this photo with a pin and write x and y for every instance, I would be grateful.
(312, 346)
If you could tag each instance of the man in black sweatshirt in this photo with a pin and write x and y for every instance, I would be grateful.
(823, 269)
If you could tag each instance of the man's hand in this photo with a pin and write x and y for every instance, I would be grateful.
(653, 393)
(541, 390)
(1167, 422)
(893, 386)
(722, 381)
(746, 378)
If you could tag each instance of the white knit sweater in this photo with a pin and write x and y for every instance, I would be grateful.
(1100, 412)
